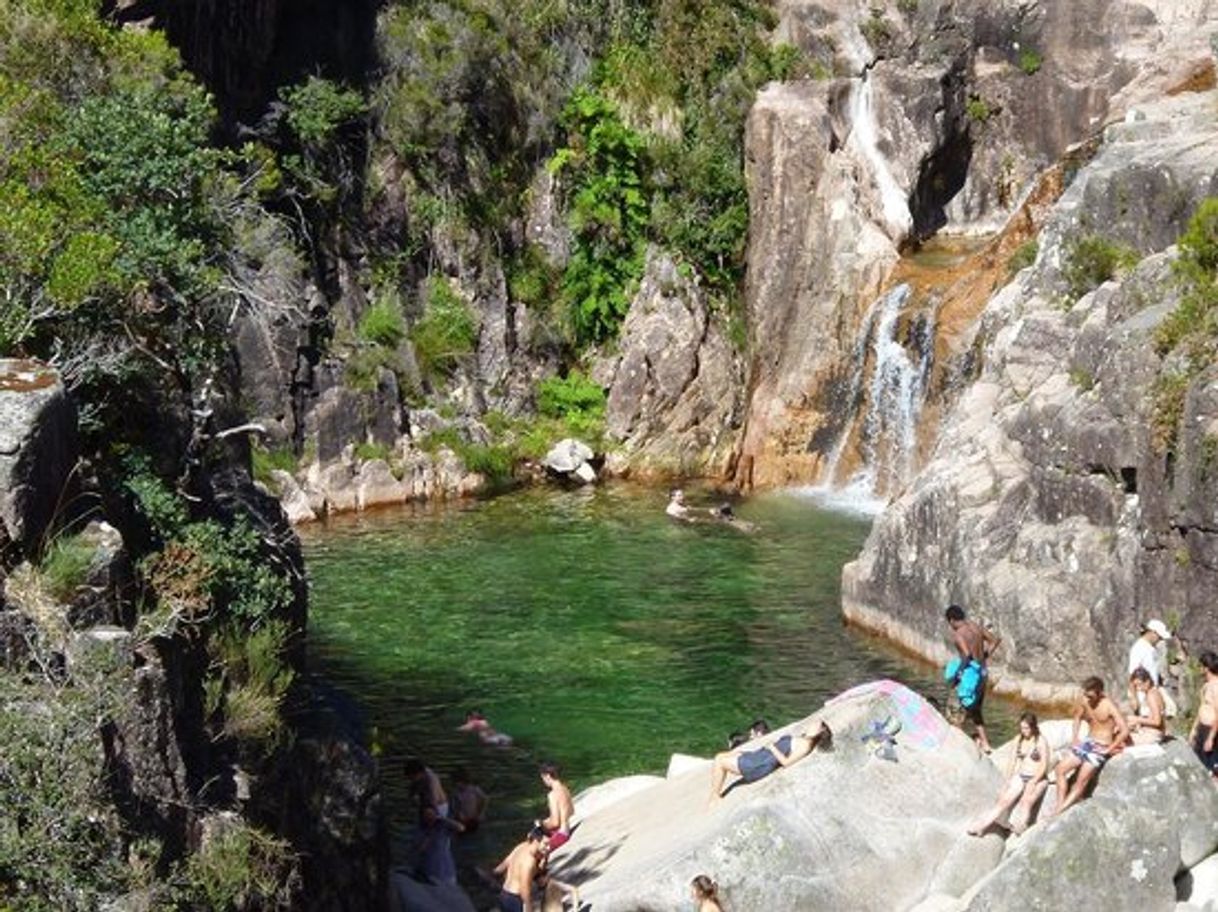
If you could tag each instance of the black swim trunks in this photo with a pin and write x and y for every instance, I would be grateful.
(974, 713)
(1209, 759)
(510, 902)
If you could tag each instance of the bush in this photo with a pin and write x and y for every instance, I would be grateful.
(241, 867)
(978, 109)
(1193, 325)
(1092, 260)
(366, 452)
(603, 167)
(65, 567)
(447, 331)
(1030, 61)
(382, 324)
(62, 845)
(565, 397)
(247, 683)
(1023, 257)
(877, 30)
(264, 461)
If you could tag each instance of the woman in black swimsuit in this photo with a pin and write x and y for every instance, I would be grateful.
(1025, 779)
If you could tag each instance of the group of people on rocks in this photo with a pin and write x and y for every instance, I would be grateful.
(443, 815)
(1109, 727)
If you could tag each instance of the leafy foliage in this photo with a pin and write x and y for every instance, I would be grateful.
(1030, 61)
(609, 214)
(446, 332)
(382, 323)
(240, 867)
(1193, 326)
(1092, 260)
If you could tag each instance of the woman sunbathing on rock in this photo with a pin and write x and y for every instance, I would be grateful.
(757, 764)
(1025, 778)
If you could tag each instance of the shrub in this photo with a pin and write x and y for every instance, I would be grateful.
(447, 331)
(264, 461)
(1168, 396)
(367, 451)
(978, 109)
(1023, 257)
(603, 165)
(1092, 260)
(62, 845)
(382, 324)
(240, 867)
(65, 567)
(1030, 61)
(247, 684)
(317, 108)
(574, 394)
(876, 29)
(1193, 325)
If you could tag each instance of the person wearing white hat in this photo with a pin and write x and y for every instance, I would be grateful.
(1145, 652)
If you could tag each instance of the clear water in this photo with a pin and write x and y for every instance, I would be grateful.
(593, 629)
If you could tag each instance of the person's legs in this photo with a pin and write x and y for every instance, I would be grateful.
(1086, 772)
(724, 763)
(1006, 800)
(977, 715)
(1021, 818)
(1068, 764)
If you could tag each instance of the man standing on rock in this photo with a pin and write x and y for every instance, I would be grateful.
(1106, 731)
(975, 644)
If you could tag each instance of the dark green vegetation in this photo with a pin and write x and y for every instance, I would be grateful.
(1091, 260)
(1188, 337)
(645, 636)
(646, 144)
(123, 233)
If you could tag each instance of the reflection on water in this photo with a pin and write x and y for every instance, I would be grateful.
(586, 624)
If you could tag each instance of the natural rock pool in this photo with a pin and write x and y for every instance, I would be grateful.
(592, 628)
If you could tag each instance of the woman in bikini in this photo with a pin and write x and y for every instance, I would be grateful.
(1025, 778)
(1147, 724)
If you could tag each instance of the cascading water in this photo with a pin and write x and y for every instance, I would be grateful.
(890, 404)
(889, 437)
(865, 133)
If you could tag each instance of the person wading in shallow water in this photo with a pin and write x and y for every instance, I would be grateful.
(522, 864)
(975, 644)
(562, 807)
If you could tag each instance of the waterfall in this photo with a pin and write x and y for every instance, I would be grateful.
(886, 392)
(889, 439)
(865, 134)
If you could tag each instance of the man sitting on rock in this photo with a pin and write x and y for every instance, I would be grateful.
(1107, 731)
(757, 764)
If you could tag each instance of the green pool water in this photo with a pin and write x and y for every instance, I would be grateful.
(593, 629)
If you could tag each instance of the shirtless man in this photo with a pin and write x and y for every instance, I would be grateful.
(756, 764)
(426, 784)
(1204, 736)
(522, 864)
(562, 808)
(676, 505)
(975, 644)
(1106, 732)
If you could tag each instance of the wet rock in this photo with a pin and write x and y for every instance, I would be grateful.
(293, 497)
(567, 455)
(1047, 487)
(38, 451)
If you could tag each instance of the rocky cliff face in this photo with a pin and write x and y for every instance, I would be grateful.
(939, 116)
(1061, 501)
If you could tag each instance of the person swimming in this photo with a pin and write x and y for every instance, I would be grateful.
(476, 722)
